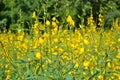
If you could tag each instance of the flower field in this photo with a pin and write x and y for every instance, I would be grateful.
(51, 52)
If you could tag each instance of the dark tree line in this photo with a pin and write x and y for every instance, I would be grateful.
(13, 12)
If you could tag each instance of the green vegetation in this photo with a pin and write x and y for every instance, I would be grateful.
(59, 40)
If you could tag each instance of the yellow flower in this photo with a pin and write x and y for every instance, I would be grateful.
(76, 65)
(7, 71)
(55, 40)
(19, 31)
(84, 73)
(118, 39)
(54, 24)
(42, 27)
(8, 77)
(82, 50)
(100, 77)
(20, 37)
(86, 42)
(65, 57)
(46, 35)
(118, 56)
(54, 18)
(90, 21)
(100, 20)
(29, 58)
(71, 72)
(48, 61)
(70, 20)
(38, 55)
(6, 66)
(41, 41)
(118, 76)
(86, 64)
(48, 23)
(35, 28)
(34, 15)
(72, 23)
(108, 65)
(55, 53)
(36, 24)
(60, 50)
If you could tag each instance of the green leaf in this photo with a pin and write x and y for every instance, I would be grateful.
(68, 77)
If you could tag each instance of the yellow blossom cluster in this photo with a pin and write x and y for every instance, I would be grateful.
(70, 21)
(100, 18)
(58, 54)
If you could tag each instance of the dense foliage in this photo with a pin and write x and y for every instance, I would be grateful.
(16, 13)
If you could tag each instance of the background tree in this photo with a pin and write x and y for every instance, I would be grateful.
(17, 13)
